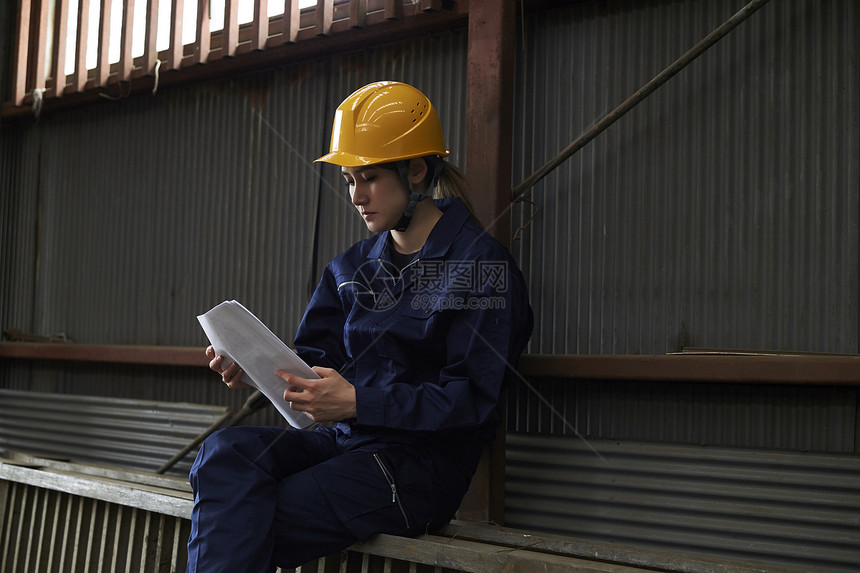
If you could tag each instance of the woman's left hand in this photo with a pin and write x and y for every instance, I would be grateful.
(330, 398)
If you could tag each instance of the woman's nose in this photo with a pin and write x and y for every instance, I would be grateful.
(358, 196)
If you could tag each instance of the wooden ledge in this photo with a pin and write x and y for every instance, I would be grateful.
(759, 368)
(739, 366)
(111, 353)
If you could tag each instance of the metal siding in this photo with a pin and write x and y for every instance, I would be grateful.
(783, 509)
(157, 209)
(149, 210)
(797, 418)
(135, 434)
(722, 211)
(19, 177)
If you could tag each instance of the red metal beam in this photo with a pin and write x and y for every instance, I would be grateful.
(744, 368)
(489, 111)
(489, 117)
(107, 353)
(720, 368)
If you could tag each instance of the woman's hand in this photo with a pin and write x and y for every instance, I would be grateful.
(231, 376)
(330, 398)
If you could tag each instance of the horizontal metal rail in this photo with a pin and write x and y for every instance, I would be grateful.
(701, 366)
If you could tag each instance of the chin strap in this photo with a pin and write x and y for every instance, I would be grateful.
(434, 163)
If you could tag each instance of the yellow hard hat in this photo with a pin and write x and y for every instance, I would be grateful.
(384, 122)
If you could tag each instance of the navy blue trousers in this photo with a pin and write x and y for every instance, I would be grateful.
(267, 497)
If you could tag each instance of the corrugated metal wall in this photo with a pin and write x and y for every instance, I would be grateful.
(781, 417)
(139, 435)
(733, 504)
(722, 211)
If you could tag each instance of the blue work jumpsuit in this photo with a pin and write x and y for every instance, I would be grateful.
(428, 350)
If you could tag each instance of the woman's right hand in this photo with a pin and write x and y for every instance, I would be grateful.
(231, 376)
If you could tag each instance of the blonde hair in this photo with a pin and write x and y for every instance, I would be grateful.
(452, 184)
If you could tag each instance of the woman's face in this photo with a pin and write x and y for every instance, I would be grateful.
(378, 195)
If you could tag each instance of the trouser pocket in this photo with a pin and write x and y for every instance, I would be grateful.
(389, 478)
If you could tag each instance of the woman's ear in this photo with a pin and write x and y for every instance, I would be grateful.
(417, 171)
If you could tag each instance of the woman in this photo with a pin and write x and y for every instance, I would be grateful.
(413, 333)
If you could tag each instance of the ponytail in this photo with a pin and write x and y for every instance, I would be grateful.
(452, 183)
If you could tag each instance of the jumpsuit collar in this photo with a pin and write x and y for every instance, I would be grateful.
(454, 215)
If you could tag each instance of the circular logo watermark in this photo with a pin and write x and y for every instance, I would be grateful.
(376, 285)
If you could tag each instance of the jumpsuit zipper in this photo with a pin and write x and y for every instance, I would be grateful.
(394, 499)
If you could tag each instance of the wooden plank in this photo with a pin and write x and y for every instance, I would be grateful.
(58, 57)
(80, 75)
(103, 65)
(608, 551)
(164, 502)
(378, 31)
(5, 503)
(357, 13)
(19, 74)
(175, 49)
(203, 42)
(159, 355)
(323, 16)
(230, 33)
(831, 369)
(112, 472)
(290, 22)
(126, 62)
(40, 60)
(765, 369)
(393, 10)
(260, 25)
(475, 557)
(150, 37)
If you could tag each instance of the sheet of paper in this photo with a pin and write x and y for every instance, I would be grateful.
(239, 336)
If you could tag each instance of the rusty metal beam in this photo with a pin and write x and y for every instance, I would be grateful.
(489, 112)
(746, 368)
(108, 353)
(741, 366)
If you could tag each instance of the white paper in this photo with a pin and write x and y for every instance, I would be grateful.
(239, 336)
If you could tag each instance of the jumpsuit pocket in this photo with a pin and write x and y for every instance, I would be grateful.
(393, 485)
